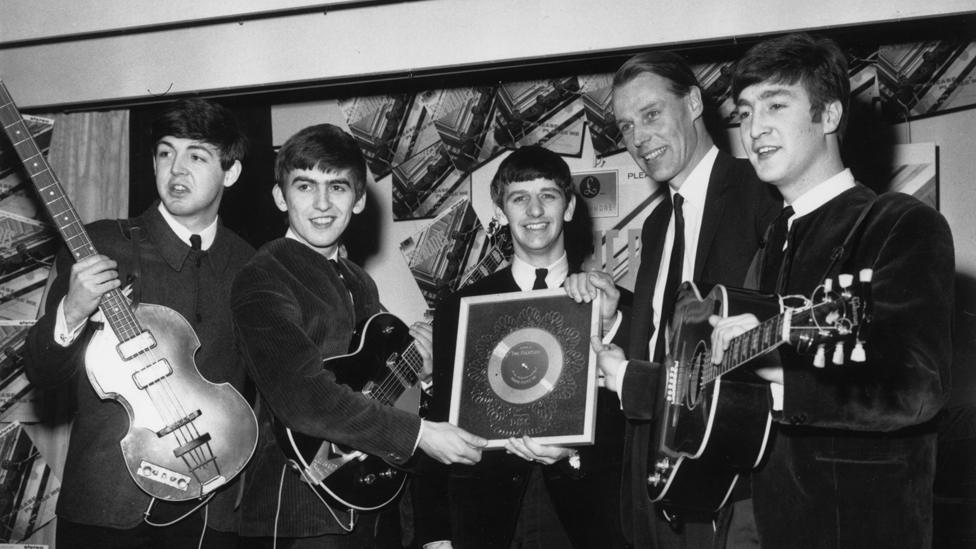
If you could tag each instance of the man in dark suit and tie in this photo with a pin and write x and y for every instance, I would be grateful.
(706, 228)
(479, 506)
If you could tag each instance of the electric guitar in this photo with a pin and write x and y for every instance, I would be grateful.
(711, 427)
(187, 436)
(383, 365)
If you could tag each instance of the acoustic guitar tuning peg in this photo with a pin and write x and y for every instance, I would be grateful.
(857, 353)
(828, 285)
(819, 359)
(838, 357)
(865, 275)
(845, 280)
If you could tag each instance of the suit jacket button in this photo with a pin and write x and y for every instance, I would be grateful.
(516, 478)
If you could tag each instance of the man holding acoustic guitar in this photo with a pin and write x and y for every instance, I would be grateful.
(853, 460)
(188, 435)
(295, 305)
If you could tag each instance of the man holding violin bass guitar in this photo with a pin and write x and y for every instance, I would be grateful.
(332, 446)
(189, 436)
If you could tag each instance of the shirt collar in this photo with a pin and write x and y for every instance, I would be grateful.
(294, 236)
(207, 235)
(695, 187)
(822, 193)
(524, 274)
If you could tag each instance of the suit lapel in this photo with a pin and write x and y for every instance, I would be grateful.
(652, 241)
(715, 201)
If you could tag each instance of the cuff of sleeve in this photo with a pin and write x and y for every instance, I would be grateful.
(611, 332)
(62, 335)
(776, 390)
(416, 443)
(618, 385)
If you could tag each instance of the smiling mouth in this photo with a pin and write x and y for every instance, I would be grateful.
(539, 226)
(654, 154)
(322, 222)
(765, 151)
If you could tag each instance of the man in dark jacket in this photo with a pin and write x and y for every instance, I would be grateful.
(853, 460)
(198, 152)
(296, 303)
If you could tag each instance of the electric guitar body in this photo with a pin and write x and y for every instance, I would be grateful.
(383, 366)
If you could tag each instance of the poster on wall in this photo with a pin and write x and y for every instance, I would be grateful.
(597, 94)
(541, 112)
(27, 247)
(28, 489)
(379, 123)
(915, 172)
(463, 119)
(716, 82)
(426, 184)
(451, 252)
(924, 78)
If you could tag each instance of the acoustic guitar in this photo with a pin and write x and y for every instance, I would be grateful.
(714, 425)
(186, 436)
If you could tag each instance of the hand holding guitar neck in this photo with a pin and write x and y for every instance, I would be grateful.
(423, 337)
(91, 278)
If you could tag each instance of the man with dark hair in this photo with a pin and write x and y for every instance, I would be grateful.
(198, 151)
(480, 506)
(709, 223)
(295, 304)
(853, 457)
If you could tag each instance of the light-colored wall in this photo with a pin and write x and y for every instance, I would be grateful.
(296, 49)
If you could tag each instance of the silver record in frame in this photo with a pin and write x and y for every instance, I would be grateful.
(524, 366)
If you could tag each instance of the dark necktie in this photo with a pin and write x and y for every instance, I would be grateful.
(674, 277)
(196, 254)
(773, 254)
(540, 279)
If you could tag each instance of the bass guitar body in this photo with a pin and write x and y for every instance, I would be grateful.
(376, 368)
(187, 436)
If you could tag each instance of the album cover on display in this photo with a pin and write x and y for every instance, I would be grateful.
(524, 366)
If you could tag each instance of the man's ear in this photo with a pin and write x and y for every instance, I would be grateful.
(570, 209)
(360, 204)
(279, 198)
(695, 103)
(231, 175)
(500, 216)
(832, 114)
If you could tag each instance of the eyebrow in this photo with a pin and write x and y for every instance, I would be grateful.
(774, 92)
(209, 149)
(306, 179)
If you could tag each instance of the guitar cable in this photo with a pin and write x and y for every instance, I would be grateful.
(352, 512)
(206, 516)
(281, 486)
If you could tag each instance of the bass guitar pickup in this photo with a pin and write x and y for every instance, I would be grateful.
(139, 344)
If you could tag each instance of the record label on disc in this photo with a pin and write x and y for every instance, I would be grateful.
(525, 365)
